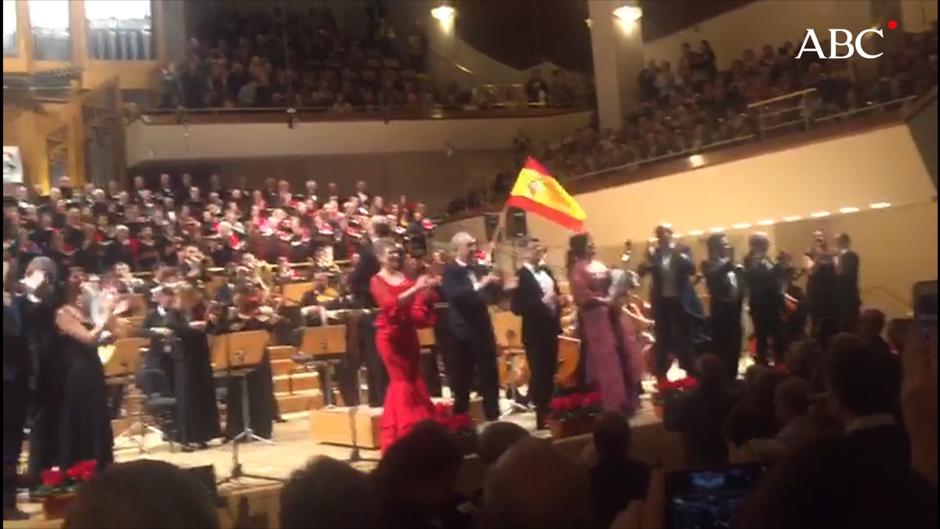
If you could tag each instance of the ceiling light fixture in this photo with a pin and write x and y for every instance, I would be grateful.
(741, 226)
(444, 14)
(717, 229)
(765, 222)
(628, 13)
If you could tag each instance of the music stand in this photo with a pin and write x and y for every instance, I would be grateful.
(326, 345)
(120, 369)
(236, 355)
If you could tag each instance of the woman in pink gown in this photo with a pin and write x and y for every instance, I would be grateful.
(404, 305)
(608, 339)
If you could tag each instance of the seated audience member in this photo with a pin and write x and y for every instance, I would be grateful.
(699, 414)
(327, 493)
(748, 432)
(616, 479)
(870, 325)
(799, 424)
(863, 479)
(143, 494)
(415, 480)
(533, 486)
(864, 387)
(496, 438)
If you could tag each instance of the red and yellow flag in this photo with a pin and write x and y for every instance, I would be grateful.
(538, 192)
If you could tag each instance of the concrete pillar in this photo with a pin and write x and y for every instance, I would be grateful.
(618, 60)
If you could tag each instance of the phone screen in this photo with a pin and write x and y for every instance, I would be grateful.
(708, 498)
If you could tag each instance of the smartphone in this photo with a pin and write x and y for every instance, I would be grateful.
(925, 305)
(708, 497)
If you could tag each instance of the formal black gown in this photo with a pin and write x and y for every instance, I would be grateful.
(262, 407)
(49, 362)
(85, 427)
(189, 375)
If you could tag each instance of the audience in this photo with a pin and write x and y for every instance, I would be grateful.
(496, 438)
(700, 414)
(143, 494)
(615, 478)
(800, 424)
(327, 493)
(871, 324)
(415, 481)
(534, 486)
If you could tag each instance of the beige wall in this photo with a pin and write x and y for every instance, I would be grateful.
(916, 15)
(763, 22)
(897, 246)
(253, 140)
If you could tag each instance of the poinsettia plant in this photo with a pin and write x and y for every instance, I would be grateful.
(574, 406)
(459, 424)
(57, 482)
(668, 390)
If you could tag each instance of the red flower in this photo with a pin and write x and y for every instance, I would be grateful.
(592, 399)
(52, 478)
(561, 404)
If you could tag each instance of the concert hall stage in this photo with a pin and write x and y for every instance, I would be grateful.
(293, 446)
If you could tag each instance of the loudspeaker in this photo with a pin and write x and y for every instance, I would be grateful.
(516, 225)
(490, 221)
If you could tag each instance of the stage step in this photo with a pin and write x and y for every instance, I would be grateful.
(301, 381)
(281, 352)
(282, 367)
(334, 425)
(299, 401)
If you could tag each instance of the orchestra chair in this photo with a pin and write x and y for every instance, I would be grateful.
(120, 362)
(294, 292)
(320, 347)
(513, 367)
(569, 361)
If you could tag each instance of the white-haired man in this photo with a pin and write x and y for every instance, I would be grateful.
(468, 319)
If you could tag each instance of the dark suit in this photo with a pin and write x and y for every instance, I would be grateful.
(16, 372)
(474, 343)
(541, 326)
(671, 310)
(821, 294)
(847, 292)
(765, 299)
(725, 280)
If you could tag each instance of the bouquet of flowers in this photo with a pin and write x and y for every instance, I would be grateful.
(56, 482)
(575, 406)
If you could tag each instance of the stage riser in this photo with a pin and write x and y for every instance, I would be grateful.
(296, 382)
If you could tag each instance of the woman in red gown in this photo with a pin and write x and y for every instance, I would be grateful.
(404, 305)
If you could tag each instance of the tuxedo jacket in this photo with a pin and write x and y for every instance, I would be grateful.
(680, 267)
(539, 321)
(718, 281)
(467, 314)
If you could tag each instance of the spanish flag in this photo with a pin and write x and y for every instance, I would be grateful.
(537, 192)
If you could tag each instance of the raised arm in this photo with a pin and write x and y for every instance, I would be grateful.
(72, 326)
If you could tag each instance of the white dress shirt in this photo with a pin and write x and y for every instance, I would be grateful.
(546, 283)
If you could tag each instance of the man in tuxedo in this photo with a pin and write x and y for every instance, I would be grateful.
(535, 299)
(724, 280)
(672, 298)
(821, 296)
(847, 267)
(765, 298)
(471, 327)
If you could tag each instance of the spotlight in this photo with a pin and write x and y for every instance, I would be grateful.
(628, 14)
(444, 14)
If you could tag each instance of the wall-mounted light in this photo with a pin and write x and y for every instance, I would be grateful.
(628, 13)
(444, 14)
(792, 218)
(849, 209)
(741, 226)
(880, 205)
(819, 214)
(628, 18)
(696, 233)
(696, 160)
(717, 229)
(765, 222)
